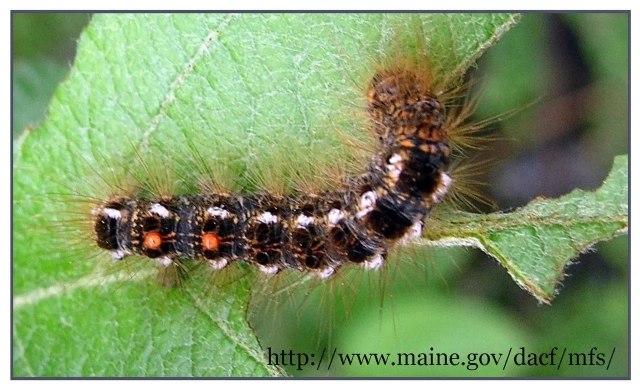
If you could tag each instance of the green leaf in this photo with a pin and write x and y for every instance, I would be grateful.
(241, 89)
(536, 242)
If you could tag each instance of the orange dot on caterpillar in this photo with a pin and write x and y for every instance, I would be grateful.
(152, 240)
(210, 241)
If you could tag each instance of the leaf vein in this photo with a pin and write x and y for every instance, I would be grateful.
(179, 81)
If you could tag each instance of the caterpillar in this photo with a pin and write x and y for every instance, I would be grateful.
(317, 233)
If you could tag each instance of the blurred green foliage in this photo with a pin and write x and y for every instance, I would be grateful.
(573, 68)
(43, 47)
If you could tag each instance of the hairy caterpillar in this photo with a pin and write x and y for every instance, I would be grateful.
(316, 232)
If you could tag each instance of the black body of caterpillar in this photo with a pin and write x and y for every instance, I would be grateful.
(317, 233)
